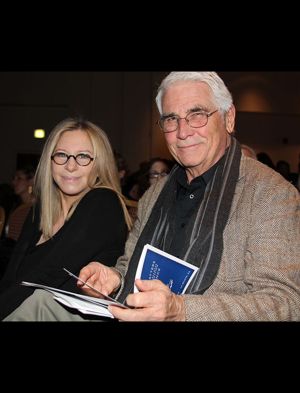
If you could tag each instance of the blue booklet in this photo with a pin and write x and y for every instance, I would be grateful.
(155, 264)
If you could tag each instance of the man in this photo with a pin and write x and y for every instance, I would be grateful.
(231, 216)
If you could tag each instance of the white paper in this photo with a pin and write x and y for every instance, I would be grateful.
(85, 304)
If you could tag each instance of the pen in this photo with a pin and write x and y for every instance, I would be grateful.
(96, 290)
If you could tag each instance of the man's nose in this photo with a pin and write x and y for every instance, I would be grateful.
(184, 130)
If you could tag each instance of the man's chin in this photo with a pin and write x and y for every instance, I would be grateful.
(190, 165)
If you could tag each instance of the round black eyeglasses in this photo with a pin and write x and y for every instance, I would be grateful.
(81, 158)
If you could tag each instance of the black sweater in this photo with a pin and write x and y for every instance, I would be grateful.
(96, 231)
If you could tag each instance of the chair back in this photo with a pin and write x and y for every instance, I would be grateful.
(17, 219)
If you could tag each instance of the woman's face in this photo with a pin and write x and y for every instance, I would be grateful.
(21, 183)
(72, 178)
(158, 170)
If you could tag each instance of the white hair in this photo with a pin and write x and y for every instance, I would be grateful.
(220, 94)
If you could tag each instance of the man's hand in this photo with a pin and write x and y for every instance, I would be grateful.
(154, 302)
(101, 277)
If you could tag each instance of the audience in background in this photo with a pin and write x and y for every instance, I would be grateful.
(148, 173)
(18, 200)
(123, 171)
(22, 184)
(158, 168)
(265, 159)
(132, 188)
(9, 201)
(283, 167)
(23, 181)
(122, 168)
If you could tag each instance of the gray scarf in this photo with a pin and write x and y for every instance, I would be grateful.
(206, 226)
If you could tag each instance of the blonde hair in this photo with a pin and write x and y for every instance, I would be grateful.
(103, 174)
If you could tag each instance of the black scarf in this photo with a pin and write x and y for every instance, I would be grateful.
(206, 226)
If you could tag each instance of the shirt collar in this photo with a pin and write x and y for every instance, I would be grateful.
(198, 181)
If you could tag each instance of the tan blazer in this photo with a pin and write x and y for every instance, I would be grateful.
(259, 275)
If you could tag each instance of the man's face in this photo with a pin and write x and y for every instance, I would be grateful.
(197, 149)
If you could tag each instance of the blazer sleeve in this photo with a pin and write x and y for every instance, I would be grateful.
(259, 278)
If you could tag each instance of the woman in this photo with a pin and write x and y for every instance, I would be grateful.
(22, 184)
(79, 215)
(158, 168)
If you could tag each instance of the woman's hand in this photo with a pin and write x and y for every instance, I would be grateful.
(99, 276)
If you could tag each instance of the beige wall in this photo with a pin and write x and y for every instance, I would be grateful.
(122, 103)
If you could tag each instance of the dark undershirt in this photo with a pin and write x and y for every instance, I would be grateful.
(188, 198)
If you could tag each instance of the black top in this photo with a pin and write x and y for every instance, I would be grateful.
(96, 231)
(188, 198)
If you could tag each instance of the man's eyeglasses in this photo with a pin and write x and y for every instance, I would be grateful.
(155, 175)
(193, 119)
(82, 159)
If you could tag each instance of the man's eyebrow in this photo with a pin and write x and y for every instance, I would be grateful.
(197, 108)
(165, 115)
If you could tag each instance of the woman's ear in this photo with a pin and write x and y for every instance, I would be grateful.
(30, 185)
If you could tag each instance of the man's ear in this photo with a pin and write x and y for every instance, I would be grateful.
(230, 120)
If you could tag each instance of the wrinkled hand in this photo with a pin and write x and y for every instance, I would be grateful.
(154, 302)
(101, 277)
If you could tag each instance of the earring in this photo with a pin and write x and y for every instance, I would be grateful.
(30, 190)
